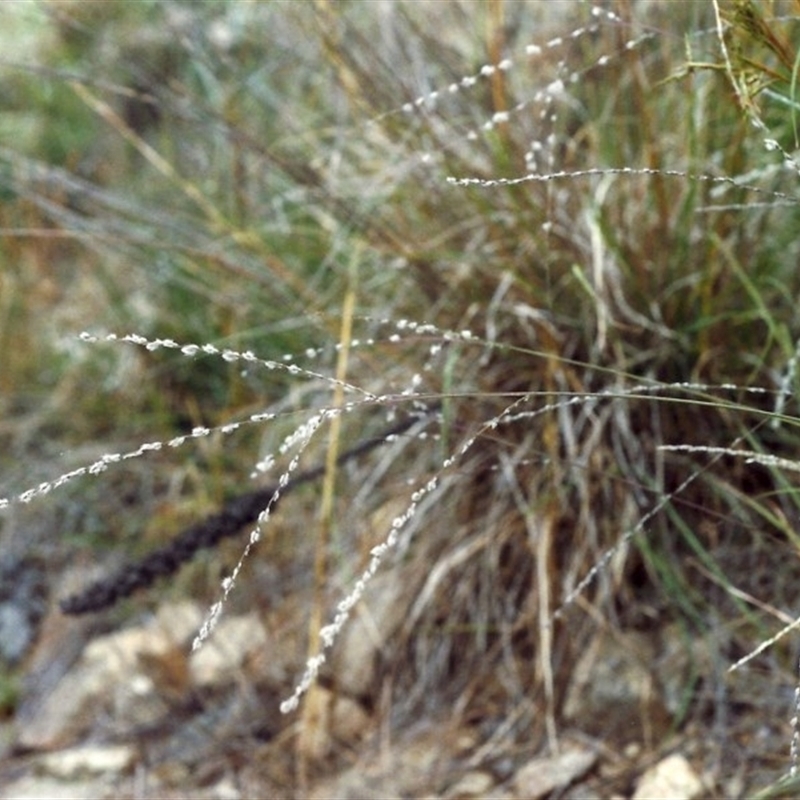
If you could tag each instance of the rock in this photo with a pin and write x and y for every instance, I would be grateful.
(108, 674)
(673, 778)
(475, 783)
(350, 721)
(550, 773)
(85, 762)
(223, 655)
(36, 788)
(375, 619)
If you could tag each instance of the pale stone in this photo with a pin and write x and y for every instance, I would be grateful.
(36, 788)
(375, 619)
(471, 784)
(544, 775)
(673, 778)
(108, 674)
(180, 621)
(350, 721)
(88, 761)
(223, 655)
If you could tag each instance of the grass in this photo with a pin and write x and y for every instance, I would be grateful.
(604, 200)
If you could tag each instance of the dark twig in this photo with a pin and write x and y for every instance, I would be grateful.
(236, 514)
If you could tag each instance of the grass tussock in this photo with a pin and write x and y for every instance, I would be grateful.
(572, 236)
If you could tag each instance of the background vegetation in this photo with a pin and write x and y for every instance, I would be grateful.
(252, 174)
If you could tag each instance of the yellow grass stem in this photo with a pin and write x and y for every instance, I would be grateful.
(313, 739)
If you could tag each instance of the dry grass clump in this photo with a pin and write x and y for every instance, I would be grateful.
(614, 276)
